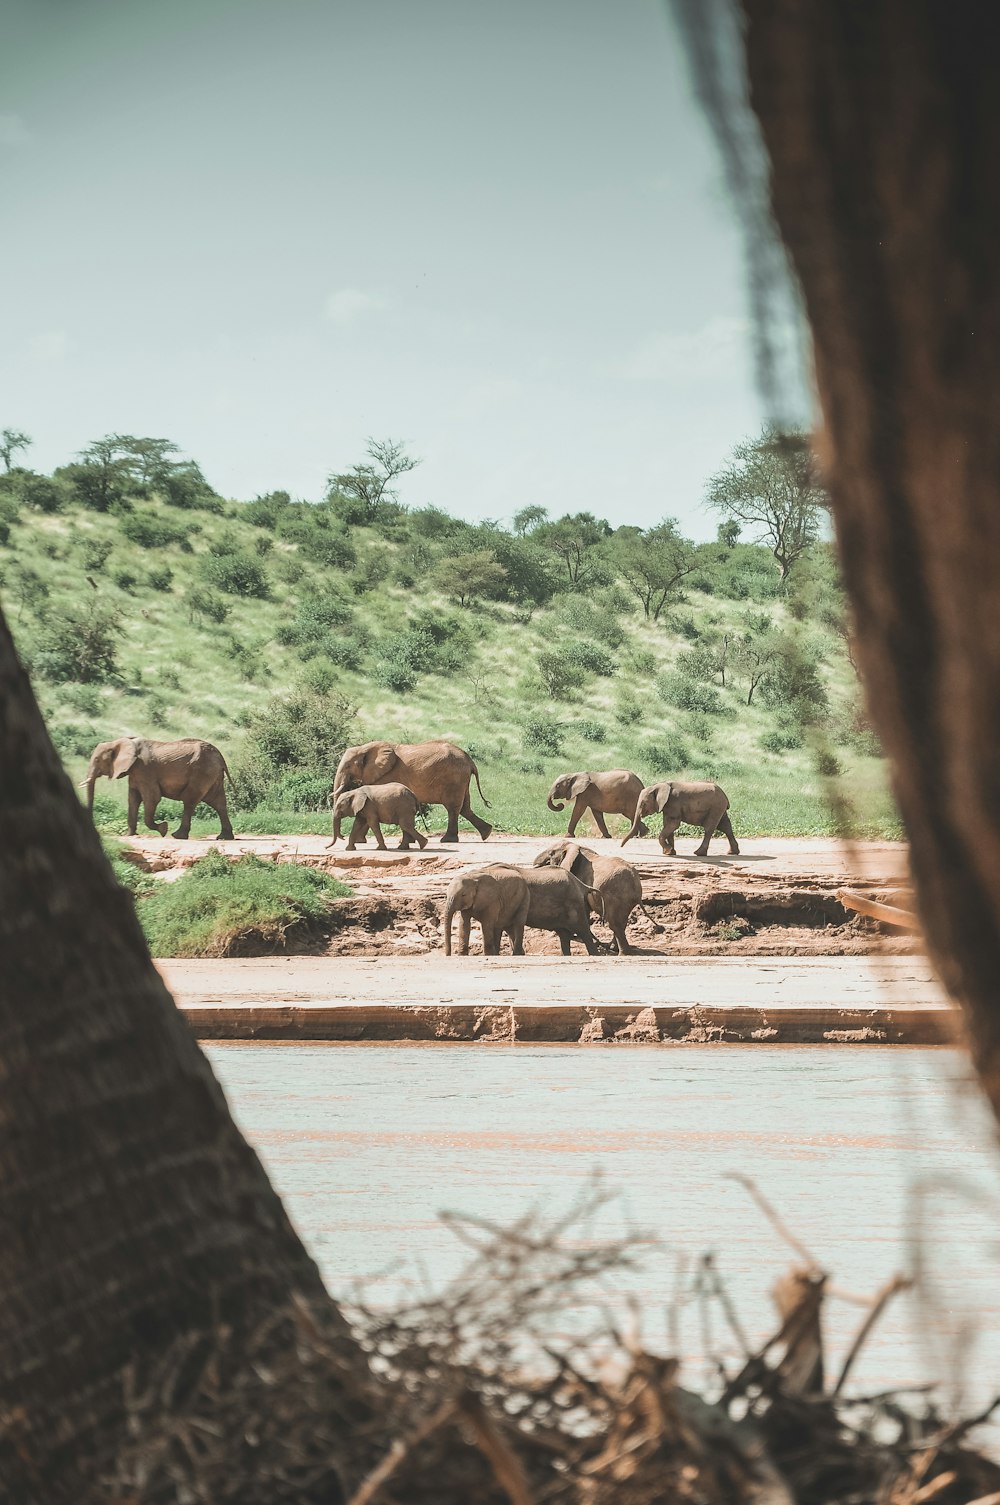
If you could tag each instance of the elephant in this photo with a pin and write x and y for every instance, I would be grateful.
(614, 879)
(611, 793)
(374, 806)
(190, 770)
(703, 805)
(438, 773)
(558, 901)
(496, 896)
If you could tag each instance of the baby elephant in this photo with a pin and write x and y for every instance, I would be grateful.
(615, 880)
(375, 805)
(558, 901)
(496, 896)
(704, 805)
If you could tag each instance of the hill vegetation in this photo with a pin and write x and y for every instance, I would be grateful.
(143, 602)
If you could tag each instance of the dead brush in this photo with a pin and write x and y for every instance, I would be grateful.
(472, 1397)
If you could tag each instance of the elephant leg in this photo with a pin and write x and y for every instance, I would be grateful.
(491, 938)
(641, 829)
(621, 940)
(379, 838)
(467, 813)
(578, 811)
(410, 833)
(184, 829)
(149, 804)
(586, 935)
(359, 830)
(726, 827)
(600, 822)
(133, 808)
(564, 942)
(709, 830)
(465, 931)
(451, 830)
(217, 801)
(667, 837)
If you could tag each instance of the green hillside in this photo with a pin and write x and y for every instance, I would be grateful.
(141, 602)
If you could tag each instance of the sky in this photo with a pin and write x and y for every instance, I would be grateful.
(268, 229)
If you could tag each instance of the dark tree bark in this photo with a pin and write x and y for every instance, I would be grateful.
(135, 1217)
(882, 123)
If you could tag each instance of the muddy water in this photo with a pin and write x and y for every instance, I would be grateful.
(876, 1159)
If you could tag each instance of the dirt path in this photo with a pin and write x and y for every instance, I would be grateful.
(776, 899)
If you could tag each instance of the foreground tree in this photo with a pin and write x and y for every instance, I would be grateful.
(12, 440)
(770, 485)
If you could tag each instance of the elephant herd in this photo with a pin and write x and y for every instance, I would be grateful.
(382, 784)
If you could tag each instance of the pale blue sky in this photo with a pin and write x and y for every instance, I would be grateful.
(268, 228)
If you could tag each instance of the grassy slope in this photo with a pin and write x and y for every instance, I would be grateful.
(180, 677)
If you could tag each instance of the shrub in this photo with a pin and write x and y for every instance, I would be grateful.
(593, 731)
(237, 575)
(542, 733)
(41, 492)
(80, 645)
(148, 531)
(160, 577)
(592, 620)
(628, 709)
(304, 730)
(184, 486)
(688, 694)
(302, 791)
(263, 545)
(402, 658)
(206, 603)
(373, 570)
(264, 511)
(125, 577)
(8, 517)
(84, 698)
(590, 657)
(640, 660)
(75, 742)
(558, 674)
(247, 658)
(827, 764)
(95, 554)
(780, 739)
(320, 675)
(665, 757)
(315, 615)
(242, 908)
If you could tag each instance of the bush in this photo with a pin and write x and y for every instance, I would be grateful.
(542, 733)
(264, 511)
(83, 698)
(304, 730)
(314, 616)
(184, 486)
(329, 547)
(593, 621)
(593, 731)
(160, 577)
(41, 492)
(827, 764)
(640, 660)
(237, 575)
(206, 603)
(147, 531)
(665, 757)
(224, 544)
(95, 554)
(628, 709)
(243, 908)
(373, 570)
(320, 675)
(125, 578)
(263, 545)
(402, 658)
(780, 739)
(689, 695)
(558, 674)
(247, 658)
(80, 645)
(590, 657)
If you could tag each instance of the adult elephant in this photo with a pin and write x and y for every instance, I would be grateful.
(612, 793)
(189, 770)
(558, 901)
(439, 773)
(692, 804)
(615, 880)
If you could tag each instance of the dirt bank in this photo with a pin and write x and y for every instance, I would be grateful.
(776, 899)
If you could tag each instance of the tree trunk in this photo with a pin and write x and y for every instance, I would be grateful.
(135, 1216)
(882, 123)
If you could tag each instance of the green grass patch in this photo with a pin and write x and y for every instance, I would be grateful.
(243, 908)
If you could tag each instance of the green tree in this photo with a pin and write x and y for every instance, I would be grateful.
(653, 563)
(150, 458)
(528, 519)
(770, 485)
(367, 488)
(468, 577)
(575, 540)
(11, 440)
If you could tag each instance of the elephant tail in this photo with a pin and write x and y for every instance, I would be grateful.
(655, 923)
(228, 775)
(479, 786)
(595, 897)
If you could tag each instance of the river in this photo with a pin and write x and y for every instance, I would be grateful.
(876, 1158)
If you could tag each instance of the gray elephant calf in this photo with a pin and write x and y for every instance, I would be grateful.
(558, 901)
(702, 804)
(190, 770)
(613, 878)
(613, 792)
(496, 896)
(375, 805)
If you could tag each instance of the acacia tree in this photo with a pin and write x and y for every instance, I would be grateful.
(368, 487)
(653, 564)
(770, 485)
(11, 440)
(575, 540)
(469, 576)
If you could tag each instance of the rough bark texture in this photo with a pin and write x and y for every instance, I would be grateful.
(882, 123)
(134, 1214)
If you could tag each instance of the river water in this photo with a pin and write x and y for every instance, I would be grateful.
(879, 1161)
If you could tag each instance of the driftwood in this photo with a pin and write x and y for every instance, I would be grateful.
(888, 914)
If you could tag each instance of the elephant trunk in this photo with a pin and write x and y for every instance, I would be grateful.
(90, 782)
(449, 914)
(336, 826)
(552, 803)
(634, 830)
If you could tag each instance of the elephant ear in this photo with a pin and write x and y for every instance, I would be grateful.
(380, 761)
(663, 793)
(357, 800)
(128, 751)
(581, 783)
